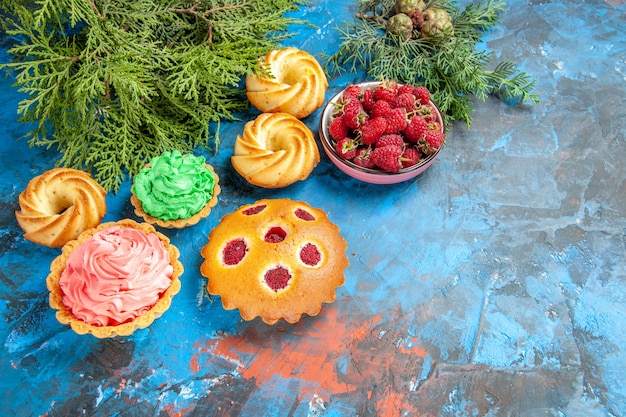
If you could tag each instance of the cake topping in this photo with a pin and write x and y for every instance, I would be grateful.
(174, 186)
(275, 234)
(310, 254)
(234, 251)
(304, 215)
(254, 210)
(277, 278)
(115, 276)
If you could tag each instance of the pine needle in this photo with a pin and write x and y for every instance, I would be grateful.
(451, 67)
(112, 83)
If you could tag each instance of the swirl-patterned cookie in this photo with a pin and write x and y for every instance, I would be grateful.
(275, 150)
(293, 82)
(58, 205)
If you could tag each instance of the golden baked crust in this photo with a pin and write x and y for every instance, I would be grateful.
(64, 316)
(58, 205)
(179, 223)
(275, 150)
(296, 83)
(251, 247)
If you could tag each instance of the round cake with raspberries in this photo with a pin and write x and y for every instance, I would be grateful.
(275, 259)
(389, 127)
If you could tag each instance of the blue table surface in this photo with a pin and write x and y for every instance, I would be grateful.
(494, 284)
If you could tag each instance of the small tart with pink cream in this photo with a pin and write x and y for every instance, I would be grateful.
(114, 279)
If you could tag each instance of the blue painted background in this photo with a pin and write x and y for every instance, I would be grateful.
(491, 285)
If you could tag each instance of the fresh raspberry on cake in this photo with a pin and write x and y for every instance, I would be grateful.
(277, 278)
(310, 254)
(234, 251)
(275, 234)
(254, 210)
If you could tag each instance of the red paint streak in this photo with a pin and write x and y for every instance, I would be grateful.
(172, 411)
(615, 3)
(310, 356)
(373, 356)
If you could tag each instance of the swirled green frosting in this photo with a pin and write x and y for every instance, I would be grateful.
(174, 186)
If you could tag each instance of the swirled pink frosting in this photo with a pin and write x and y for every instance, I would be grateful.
(115, 276)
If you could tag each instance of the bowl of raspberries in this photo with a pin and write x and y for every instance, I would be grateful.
(382, 132)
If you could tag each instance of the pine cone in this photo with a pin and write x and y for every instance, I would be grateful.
(400, 25)
(409, 6)
(437, 22)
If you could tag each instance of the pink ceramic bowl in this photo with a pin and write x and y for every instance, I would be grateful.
(373, 176)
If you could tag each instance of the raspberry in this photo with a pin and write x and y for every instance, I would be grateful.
(353, 114)
(405, 88)
(352, 91)
(304, 215)
(405, 100)
(434, 125)
(254, 210)
(234, 251)
(310, 255)
(276, 234)
(387, 158)
(277, 278)
(380, 108)
(416, 129)
(396, 120)
(338, 128)
(422, 94)
(433, 140)
(391, 139)
(410, 156)
(373, 129)
(346, 148)
(386, 91)
(363, 158)
(368, 100)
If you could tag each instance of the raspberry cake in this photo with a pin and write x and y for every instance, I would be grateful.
(275, 259)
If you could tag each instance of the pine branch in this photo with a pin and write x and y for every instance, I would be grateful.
(450, 66)
(112, 83)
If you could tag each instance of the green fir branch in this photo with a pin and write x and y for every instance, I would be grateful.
(112, 83)
(451, 66)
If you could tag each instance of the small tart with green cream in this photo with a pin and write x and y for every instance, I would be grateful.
(175, 190)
